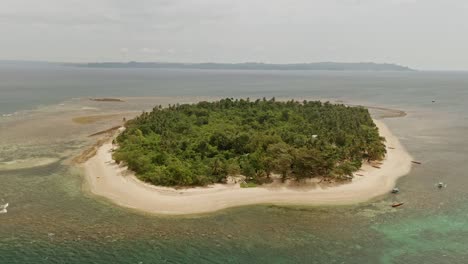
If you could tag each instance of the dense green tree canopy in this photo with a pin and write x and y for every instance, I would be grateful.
(203, 143)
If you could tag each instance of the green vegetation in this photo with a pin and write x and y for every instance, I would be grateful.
(199, 144)
(248, 185)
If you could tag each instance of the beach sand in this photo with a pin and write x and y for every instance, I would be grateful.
(107, 179)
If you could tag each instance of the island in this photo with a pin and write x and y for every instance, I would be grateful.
(315, 66)
(106, 100)
(195, 158)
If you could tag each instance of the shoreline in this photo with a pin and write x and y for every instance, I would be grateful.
(106, 179)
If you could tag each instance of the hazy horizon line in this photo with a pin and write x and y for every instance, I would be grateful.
(217, 62)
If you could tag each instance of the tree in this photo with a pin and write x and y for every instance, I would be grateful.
(198, 144)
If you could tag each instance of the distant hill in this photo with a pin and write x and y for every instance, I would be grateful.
(319, 66)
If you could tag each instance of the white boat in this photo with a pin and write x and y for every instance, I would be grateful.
(3, 208)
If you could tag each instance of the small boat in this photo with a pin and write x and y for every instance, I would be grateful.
(416, 162)
(395, 190)
(441, 185)
(375, 166)
(397, 204)
(3, 208)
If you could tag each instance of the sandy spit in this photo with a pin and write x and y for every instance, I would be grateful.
(106, 179)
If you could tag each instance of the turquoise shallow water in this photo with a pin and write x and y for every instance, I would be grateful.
(52, 220)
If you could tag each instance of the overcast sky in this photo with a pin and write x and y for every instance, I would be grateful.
(424, 34)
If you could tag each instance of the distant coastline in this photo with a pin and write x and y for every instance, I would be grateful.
(318, 66)
(106, 100)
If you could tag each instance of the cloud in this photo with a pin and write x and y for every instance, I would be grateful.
(156, 14)
(150, 50)
(412, 32)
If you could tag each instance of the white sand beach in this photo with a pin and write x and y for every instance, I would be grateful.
(107, 179)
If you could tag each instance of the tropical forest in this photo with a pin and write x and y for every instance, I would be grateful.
(205, 143)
